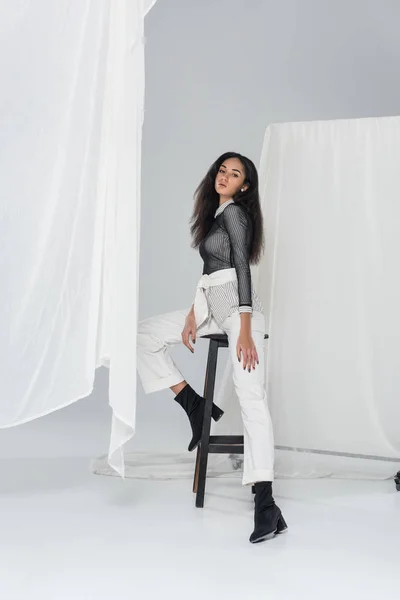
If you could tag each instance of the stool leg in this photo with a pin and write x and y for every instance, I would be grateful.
(205, 438)
(196, 471)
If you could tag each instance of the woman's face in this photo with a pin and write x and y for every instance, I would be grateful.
(230, 178)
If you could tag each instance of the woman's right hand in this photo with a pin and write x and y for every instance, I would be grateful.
(189, 331)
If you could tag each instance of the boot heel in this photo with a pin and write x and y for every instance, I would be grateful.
(217, 412)
(282, 527)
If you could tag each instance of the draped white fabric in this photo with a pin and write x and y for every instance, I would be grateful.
(71, 113)
(329, 284)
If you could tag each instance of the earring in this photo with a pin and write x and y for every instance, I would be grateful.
(242, 190)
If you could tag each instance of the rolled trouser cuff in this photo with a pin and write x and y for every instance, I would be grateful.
(162, 383)
(256, 476)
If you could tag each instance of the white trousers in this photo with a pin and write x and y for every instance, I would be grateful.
(158, 371)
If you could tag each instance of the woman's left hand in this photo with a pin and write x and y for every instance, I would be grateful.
(246, 349)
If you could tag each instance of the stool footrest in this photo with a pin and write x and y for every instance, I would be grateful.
(226, 444)
(226, 439)
(225, 449)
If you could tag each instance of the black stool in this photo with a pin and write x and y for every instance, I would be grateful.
(212, 444)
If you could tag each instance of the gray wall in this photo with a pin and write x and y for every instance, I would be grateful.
(217, 73)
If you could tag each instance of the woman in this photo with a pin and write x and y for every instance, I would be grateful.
(228, 230)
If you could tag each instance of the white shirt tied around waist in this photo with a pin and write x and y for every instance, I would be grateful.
(201, 307)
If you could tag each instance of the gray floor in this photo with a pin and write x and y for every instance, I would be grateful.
(66, 533)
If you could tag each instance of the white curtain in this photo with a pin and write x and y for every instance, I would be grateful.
(71, 112)
(329, 282)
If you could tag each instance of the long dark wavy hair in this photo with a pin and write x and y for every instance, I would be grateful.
(207, 202)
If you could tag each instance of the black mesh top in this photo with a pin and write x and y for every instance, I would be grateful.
(227, 245)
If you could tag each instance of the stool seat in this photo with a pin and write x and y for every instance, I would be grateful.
(212, 444)
(221, 337)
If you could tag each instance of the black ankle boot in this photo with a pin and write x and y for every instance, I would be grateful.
(194, 405)
(268, 519)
